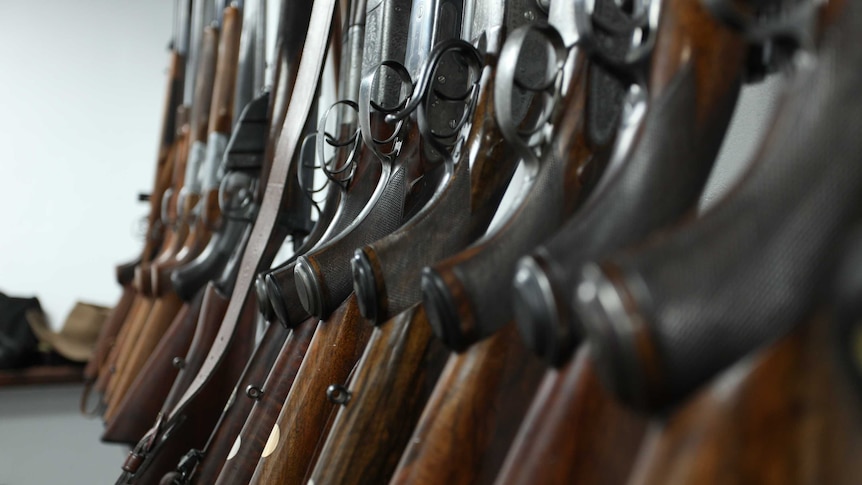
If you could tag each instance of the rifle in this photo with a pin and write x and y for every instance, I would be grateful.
(244, 155)
(402, 360)
(197, 100)
(786, 414)
(266, 236)
(164, 167)
(239, 449)
(252, 144)
(672, 151)
(338, 342)
(800, 210)
(218, 126)
(198, 92)
(492, 381)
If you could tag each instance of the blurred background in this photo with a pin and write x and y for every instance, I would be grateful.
(81, 90)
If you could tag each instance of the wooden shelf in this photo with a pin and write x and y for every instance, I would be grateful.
(43, 375)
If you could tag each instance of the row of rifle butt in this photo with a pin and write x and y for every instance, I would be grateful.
(322, 296)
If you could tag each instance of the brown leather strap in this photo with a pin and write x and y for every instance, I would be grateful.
(308, 75)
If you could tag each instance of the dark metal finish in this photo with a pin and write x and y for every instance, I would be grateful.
(338, 394)
(254, 392)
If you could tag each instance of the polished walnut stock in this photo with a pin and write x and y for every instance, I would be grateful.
(676, 312)
(473, 413)
(306, 415)
(141, 404)
(574, 432)
(233, 460)
(787, 415)
(391, 385)
(697, 69)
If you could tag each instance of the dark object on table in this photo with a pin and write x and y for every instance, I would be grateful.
(18, 344)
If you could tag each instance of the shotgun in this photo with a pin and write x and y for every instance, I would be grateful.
(403, 361)
(672, 151)
(220, 119)
(232, 452)
(197, 96)
(484, 392)
(266, 236)
(659, 345)
(338, 341)
(242, 165)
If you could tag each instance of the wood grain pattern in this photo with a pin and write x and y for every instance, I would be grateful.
(164, 310)
(786, 415)
(108, 368)
(133, 329)
(473, 413)
(108, 333)
(213, 310)
(392, 384)
(201, 413)
(256, 429)
(139, 408)
(240, 402)
(305, 419)
(574, 432)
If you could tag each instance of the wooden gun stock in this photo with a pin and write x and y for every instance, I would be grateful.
(478, 403)
(786, 415)
(218, 122)
(159, 320)
(342, 209)
(462, 293)
(665, 169)
(139, 408)
(248, 388)
(149, 458)
(574, 432)
(213, 307)
(232, 456)
(164, 161)
(193, 131)
(335, 348)
(108, 334)
(740, 288)
(126, 342)
(202, 413)
(403, 360)
(391, 385)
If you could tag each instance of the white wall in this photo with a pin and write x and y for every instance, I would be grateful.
(81, 90)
